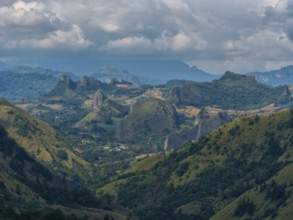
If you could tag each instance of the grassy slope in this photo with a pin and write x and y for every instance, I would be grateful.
(103, 114)
(203, 178)
(26, 185)
(38, 139)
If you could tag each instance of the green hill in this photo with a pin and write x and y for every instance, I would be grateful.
(150, 120)
(38, 169)
(231, 91)
(240, 171)
(40, 140)
(27, 189)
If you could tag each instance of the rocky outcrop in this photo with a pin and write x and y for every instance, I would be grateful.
(87, 83)
(98, 99)
(64, 86)
(204, 124)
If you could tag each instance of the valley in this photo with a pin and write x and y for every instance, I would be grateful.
(153, 151)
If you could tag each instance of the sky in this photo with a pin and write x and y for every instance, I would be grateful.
(236, 35)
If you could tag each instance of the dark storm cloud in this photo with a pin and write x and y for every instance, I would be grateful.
(240, 35)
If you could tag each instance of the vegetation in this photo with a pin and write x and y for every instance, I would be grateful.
(232, 91)
(205, 177)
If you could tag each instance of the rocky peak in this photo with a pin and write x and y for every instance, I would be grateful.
(65, 79)
(99, 98)
(205, 123)
(85, 81)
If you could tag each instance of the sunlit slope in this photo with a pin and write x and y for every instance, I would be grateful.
(39, 139)
(209, 177)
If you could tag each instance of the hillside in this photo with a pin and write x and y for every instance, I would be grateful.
(27, 189)
(149, 121)
(27, 82)
(231, 91)
(283, 76)
(40, 140)
(242, 170)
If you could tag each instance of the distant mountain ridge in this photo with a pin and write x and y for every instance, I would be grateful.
(283, 76)
(231, 91)
(27, 82)
(152, 72)
(107, 74)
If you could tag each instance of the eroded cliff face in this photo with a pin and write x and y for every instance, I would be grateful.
(204, 124)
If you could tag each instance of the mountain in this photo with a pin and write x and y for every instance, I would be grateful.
(243, 170)
(149, 121)
(156, 71)
(231, 91)
(27, 82)
(106, 74)
(205, 123)
(283, 76)
(67, 87)
(105, 111)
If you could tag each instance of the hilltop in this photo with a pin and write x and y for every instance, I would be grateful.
(27, 82)
(231, 91)
(148, 121)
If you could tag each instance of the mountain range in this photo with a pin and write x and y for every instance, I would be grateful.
(153, 72)
(119, 150)
(283, 76)
(27, 82)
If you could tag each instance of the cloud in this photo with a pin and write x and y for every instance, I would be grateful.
(165, 42)
(72, 39)
(21, 13)
(242, 34)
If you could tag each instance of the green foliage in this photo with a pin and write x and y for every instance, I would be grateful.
(276, 192)
(182, 169)
(152, 118)
(232, 91)
(34, 214)
(212, 172)
(245, 206)
(62, 154)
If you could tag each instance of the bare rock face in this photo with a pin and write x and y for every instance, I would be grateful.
(65, 79)
(99, 98)
(204, 124)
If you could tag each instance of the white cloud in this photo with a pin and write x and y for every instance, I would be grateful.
(24, 14)
(166, 42)
(72, 39)
(21, 5)
(241, 34)
(130, 45)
